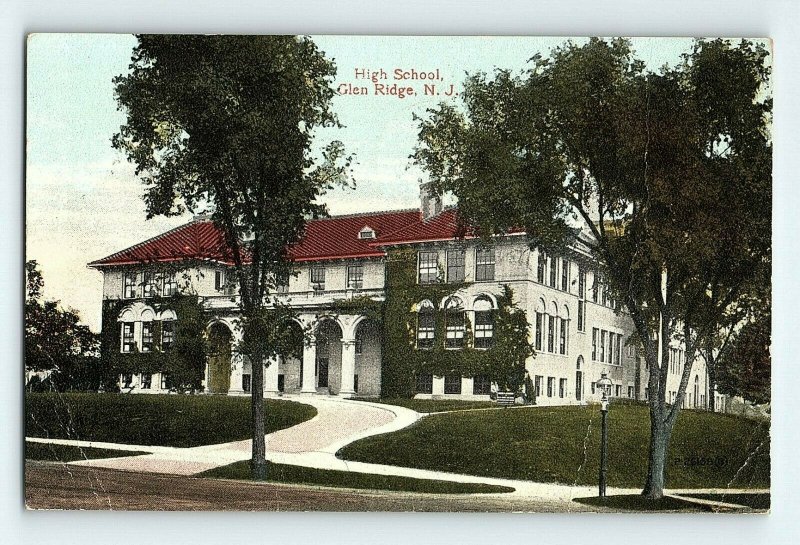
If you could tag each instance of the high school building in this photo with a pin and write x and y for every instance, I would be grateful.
(574, 326)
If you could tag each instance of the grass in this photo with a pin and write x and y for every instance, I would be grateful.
(546, 444)
(636, 502)
(754, 501)
(48, 452)
(434, 405)
(166, 420)
(282, 473)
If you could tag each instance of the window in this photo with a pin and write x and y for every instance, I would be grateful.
(594, 343)
(646, 393)
(594, 387)
(562, 337)
(630, 392)
(145, 381)
(611, 347)
(541, 265)
(481, 385)
(452, 384)
(219, 280)
(167, 335)
(484, 264)
(565, 275)
(129, 283)
(355, 276)
(426, 326)
(581, 315)
(551, 331)
(539, 327)
(537, 385)
(596, 288)
(128, 344)
(165, 382)
(562, 387)
(151, 284)
(484, 323)
(366, 233)
(618, 389)
(553, 272)
(170, 285)
(603, 345)
(551, 384)
(246, 382)
(428, 267)
(424, 384)
(147, 336)
(127, 380)
(318, 278)
(454, 324)
(455, 265)
(618, 361)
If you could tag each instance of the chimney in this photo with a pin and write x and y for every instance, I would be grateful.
(430, 203)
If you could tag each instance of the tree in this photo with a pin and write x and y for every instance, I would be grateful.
(226, 123)
(745, 363)
(669, 174)
(56, 342)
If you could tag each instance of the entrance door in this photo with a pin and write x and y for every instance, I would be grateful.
(578, 385)
(322, 372)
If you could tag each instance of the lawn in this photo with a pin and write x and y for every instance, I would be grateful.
(546, 444)
(281, 473)
(637, 502)
(434, 405)
(167, 420)
(49, 452)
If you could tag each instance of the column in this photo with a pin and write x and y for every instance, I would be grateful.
(205, 380)
(237, 366)
(271, 376)
(310, 366)
(347, 388)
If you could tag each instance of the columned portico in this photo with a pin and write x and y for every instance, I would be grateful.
(309, 365)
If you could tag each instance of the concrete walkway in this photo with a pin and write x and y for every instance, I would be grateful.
(314, 444)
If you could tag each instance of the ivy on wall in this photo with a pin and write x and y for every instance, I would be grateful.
(503, 363)
(184, 362)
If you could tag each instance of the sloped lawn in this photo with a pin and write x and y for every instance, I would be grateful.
(152, 419)
(48, 452)
(561, 444)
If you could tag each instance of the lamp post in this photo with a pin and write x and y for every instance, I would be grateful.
(605, 387)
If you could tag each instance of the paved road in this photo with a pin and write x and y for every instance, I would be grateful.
(51, 485)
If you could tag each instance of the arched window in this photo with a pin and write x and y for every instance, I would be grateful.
(426, 325)
(540, 325)
(484, 322)
(563, 330)
(454, 322)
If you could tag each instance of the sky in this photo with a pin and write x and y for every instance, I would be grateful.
(83, 201)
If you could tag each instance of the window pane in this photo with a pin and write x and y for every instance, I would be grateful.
(424, 384)
(318, 278)
(452, 384)
(426, 323)
(484, 329)
(481, 385)
(355, 276)
(455, 265)
(428, 267)
(484, 264)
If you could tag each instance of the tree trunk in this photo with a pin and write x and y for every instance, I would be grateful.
(258, 463)
(660, 434)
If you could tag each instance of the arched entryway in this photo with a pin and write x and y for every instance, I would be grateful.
(219, 358)
(367, 378)
(328, 365)
(579, 379)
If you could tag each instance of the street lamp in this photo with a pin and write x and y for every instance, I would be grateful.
(605, 387)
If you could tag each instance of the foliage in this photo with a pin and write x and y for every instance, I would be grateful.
(504, 362)
(184, 362)
(745, 365)
(550, 444)
(283, 473)
(228, 122)
(670, 173)
(55, 341)
(164, 420)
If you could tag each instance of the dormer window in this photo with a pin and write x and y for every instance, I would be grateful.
(366, 233)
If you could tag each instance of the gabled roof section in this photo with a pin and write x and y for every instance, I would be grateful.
(199, 239)
(337, 237)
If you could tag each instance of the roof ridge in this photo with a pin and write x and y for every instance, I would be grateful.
(149, 240)
(363, 214)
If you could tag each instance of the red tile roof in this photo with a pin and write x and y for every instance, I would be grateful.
(199, 239)
(443, 226)
(337, 237)
(329, 238)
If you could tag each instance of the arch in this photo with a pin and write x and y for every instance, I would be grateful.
(491, 299)
(553, 309)
(541, 308)
(147, 314)
(425, 304)
(167, 315)
(126, 315)
(564, 311)
(452, 302)
(579, 363)
(323, 321)
(220, 340)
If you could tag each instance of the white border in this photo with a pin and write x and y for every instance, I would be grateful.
(777, 19)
